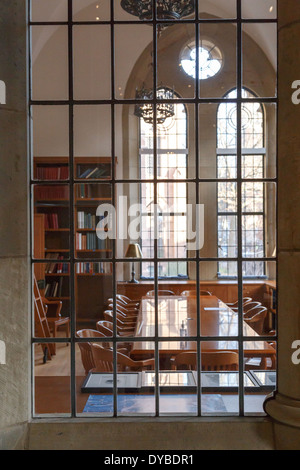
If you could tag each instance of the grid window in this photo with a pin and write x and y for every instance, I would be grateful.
(171, 196)
(154, 331)
(253, 197)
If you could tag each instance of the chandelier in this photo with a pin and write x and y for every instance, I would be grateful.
(166, 9)
(163, 110)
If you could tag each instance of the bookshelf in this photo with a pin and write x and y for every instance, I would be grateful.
(93, 278)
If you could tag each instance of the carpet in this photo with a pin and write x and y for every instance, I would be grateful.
(145, 404)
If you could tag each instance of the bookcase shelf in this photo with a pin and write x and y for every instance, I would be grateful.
(93, 280)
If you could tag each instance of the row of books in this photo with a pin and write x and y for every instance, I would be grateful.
(51, 221)
(52, 173)
(93, 268)
(51, 192)
(55, 267)
(95, 173)
(90, 241)
(54, 288)
(86, 220)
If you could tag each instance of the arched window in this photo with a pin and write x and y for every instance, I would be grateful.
(253, 200)
(172, 157)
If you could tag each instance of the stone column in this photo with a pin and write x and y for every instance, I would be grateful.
(284, 407)
(14, 262)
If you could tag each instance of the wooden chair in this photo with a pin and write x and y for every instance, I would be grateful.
(106, 327)
(234, 305)
(49, 310)
(123, 311)
(185, 360)
(127, 301)
(85, 348)
(250, 307)
(55, 320)
(128, 309)
(121, 325)
(103, 359)
(193, 293)
(257, 320)
(220, 360)
(258, 363)
(42, 329)
(210, 361)
(151, 293)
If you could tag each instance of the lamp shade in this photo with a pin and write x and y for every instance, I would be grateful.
(134, 251)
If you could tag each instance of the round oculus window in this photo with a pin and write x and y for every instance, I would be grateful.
(210, 60)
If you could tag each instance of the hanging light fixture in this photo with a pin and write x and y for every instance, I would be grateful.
(166, 9)
(163, 110)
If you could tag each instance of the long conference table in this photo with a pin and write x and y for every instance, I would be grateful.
(216, 320)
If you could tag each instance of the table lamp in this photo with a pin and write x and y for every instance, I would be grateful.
(133, 251)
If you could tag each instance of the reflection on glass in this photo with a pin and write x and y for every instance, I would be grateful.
(89, 10)
(43, 10)
(92, 80)
(219, 8)
(56, 142)
(50, 64)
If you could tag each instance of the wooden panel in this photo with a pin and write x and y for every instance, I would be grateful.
(224, 290)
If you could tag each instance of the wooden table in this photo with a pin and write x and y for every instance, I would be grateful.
(216, 320)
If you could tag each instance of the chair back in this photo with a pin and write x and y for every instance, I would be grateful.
(85, 348)
(103, 358)
(187, 359)
(250, 306)
(105, 327)
(193, 293)
(257, 320)
(151, 293)
(210, 361)
(220, 360)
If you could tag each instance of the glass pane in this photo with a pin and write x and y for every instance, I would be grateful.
(125, 12)
(93, 288)
(175, 67)
(92, 77)
(94, 222)
(177, 375)
(258, 9)
(136, 396)
(260, 53)
(226, 292)
(89, 10)
(52, 387)
(218, 8)
(51, 222)
(172, 219)
(217, 59)
(133, 59)
(260, 298)
(92, 131)
(260, 372)
(219, 378)
(270, 137)
(50, 131)
(134, 144)
(50, 63)
(43, 10)
(94, 383)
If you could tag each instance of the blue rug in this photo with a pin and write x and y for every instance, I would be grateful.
(145, 404)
